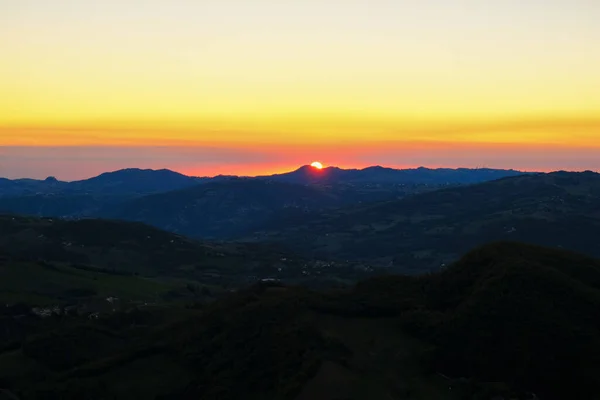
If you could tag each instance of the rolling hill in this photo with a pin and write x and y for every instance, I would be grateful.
(505, 312)
(228, 209)
(102, 195)
(425, 231)
(146, 181)
(53, 198)
(21, 187)
(128, 249)
(122, 182)
(222, 209)
(505, 321)
(133, 180)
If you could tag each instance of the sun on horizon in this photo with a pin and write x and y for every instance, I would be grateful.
(260, 87)
(317, 165)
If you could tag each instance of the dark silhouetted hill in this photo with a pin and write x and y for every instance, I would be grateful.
(122, 182)
(378, 174)
(505, 321)
(226, 209)
(20, 187)
(110, 193)
(145, 181)
(135, 181)
(425, 231)
(508, 312)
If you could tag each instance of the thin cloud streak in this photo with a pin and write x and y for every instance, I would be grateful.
(573, 132)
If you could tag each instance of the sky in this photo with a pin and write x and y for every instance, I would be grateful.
(263, 86)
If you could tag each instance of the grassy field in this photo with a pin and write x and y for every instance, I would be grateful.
(129, 248)
(48, 284)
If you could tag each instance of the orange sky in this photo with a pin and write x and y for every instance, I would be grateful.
(272, 84)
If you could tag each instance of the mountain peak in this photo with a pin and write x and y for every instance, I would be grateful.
(304, 168)
(378, 174)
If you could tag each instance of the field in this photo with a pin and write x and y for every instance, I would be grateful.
(45, 284)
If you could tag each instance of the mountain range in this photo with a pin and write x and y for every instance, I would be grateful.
(125, 181)
(332, 214)
(146, 181)
(383, 175)
(304, 300)
(221, 207)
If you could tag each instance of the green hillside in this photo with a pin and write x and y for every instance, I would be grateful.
(44, 284)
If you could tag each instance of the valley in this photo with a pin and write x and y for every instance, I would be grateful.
(430, 230)
(299, 200)
(403, 298)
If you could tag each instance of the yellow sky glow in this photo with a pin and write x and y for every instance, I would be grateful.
(152, 72)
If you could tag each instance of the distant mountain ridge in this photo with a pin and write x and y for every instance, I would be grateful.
(135, 180)
(147, 181)
(124, 181)
(111, 192)
(378, 174)
(332, 213)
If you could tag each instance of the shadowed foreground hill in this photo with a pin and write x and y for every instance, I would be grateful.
(509, 312)
(505, 320)
(422, 232)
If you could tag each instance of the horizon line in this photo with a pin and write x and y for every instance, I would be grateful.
(299, 168)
